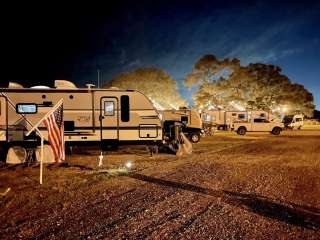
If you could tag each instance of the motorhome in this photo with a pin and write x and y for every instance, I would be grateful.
(190, 119)
(106, 116)
(223, 120)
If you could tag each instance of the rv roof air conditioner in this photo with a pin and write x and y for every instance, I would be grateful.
(113, 88)
(64, 84)
(40, 87)
(14, 85)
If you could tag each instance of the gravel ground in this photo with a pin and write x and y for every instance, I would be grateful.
(256, 186)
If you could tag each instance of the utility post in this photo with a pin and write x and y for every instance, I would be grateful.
(98, 77)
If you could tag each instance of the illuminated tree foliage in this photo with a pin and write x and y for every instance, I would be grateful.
(228, 85)
(154, 83)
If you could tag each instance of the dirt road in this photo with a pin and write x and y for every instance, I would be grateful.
(256, 186)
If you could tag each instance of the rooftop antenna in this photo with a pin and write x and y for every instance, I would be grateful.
(98, 77)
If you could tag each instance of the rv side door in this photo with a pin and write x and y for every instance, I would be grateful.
(109, 118)
(3, 118)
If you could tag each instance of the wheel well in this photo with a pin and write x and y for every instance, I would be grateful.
(276, 127)
(242, 127)
(191, 130)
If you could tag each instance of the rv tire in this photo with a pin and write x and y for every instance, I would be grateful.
(241, 131)
(276, 131)
(194, 137)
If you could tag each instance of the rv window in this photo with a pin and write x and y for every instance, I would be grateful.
(125, 108)
(260, 120)
(69, 126)
(184, 119)
(26, 108)
(241, 116)
(206, 117)
(298, 119)
(234, 114)
(108, 108)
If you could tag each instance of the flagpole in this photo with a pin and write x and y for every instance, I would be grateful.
(35, 127)
(41, 160)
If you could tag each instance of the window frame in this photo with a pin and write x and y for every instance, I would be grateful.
(104, 108)
(125, 108)
(262, 120)
(26, 104)
(241, 116)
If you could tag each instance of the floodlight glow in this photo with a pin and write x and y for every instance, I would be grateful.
(174, 106)
(128, 164)
(156, 105)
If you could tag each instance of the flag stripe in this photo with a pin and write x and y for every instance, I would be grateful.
(52, 139)
(55, 125)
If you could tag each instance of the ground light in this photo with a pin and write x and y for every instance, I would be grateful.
(128, 164)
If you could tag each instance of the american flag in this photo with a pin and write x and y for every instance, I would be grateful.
(55, 126)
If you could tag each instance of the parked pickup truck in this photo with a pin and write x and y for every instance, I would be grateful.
(258, 125)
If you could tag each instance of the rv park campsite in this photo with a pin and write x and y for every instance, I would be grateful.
(256, 186)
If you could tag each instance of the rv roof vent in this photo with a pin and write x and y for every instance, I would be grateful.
(64, 84)
(14, 85)
(113, 88)
(40, 87)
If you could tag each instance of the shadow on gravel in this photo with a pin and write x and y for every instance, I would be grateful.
(306, 217)
(67, 165)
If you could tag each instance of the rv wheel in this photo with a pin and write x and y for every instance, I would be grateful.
(194, 137)
(241, 131)
(276, 131)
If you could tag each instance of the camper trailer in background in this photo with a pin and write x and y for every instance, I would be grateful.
(99, 116)
(293, 121)
(189, 118)
(223, 120)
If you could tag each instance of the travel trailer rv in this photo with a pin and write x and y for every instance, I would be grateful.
(189, 118)
(293, 121)
(106, 116)
(223, 120)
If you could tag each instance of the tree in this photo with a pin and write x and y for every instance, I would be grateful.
(255, 86)
(154, 83)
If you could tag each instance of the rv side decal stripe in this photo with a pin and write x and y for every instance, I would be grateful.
(97, 109)
(113, 128)
(54, 90)
(149, 117)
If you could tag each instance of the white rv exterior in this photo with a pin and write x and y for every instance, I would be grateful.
(90, 115)
(223, 120)
(294, 121)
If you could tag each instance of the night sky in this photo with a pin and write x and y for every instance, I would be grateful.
(172, 35)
